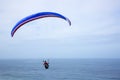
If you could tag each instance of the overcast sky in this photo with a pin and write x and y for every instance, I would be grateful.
(94, 33)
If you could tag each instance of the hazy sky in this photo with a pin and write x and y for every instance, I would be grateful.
(95, 30)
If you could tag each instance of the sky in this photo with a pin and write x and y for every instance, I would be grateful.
(94, 33)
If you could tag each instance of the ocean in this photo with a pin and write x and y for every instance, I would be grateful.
(60, 69)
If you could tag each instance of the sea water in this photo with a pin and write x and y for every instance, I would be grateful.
(60, 69)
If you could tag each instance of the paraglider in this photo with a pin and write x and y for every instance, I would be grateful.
(37, 16)
(46, 64)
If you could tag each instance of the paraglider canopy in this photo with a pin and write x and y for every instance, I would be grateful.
(37, 16)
